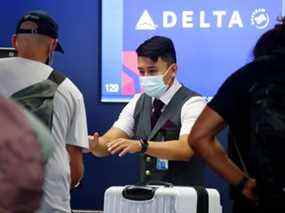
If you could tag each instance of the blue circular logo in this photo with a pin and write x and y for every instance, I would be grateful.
(260, 18)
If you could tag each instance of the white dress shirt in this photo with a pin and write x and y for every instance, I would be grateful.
(189, 112)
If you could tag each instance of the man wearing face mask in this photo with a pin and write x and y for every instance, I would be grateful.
(53, 98)
(156, 123)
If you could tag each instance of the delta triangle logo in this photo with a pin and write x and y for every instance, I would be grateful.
(146, 22)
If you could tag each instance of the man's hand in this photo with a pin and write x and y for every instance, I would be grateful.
(93, 141)
(249, 190)
(98, 145)
(124, 146)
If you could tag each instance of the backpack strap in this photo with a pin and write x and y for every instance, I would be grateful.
(38, 98)
(56, 77)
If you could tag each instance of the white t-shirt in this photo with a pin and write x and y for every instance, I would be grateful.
(190, 111)
(69, 125)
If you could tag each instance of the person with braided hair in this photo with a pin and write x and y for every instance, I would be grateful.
(250, 103)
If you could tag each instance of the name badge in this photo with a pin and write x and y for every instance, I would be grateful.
(161, 164)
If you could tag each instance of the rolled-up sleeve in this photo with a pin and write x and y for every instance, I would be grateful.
(77, 134)
(126, 119)
(69, 119)
(190, 112)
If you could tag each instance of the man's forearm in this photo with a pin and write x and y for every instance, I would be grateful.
(211, 151)
(169, 150)
(76, 164)
(76, 175)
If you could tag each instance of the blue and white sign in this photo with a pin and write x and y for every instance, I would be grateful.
(212, 39)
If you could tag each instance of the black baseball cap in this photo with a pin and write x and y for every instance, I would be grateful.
(46, 26)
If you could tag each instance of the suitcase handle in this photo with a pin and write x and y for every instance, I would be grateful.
(138, 193)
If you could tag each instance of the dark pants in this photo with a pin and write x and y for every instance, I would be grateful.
(243, 205)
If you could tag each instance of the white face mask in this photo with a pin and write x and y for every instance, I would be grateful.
(153, 86)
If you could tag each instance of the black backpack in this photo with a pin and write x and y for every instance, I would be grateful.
(38, 98)
(267, 144)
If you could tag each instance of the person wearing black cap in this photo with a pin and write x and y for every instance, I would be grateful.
(57, 102)
(45, 31)
(156, 123)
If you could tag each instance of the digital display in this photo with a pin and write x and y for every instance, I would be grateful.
(212, 39)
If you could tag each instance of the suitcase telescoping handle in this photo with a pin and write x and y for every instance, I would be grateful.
(142, 192)
(138, 193)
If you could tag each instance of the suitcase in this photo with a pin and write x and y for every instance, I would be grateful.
(161, 199)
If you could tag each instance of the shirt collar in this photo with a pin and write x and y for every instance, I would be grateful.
(167, 96)
(41, 66)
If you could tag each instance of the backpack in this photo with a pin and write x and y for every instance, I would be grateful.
(267, 135)
(38, 98)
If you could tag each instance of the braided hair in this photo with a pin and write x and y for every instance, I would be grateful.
(271, 40)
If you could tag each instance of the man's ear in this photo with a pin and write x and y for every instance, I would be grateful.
(53, 44)
(170, 74)
(172, 69)
(175, 67)
(14, 41)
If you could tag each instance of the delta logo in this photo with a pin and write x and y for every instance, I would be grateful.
(222, 19)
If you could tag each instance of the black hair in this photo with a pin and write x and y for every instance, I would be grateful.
(158, 47)
(271, 40)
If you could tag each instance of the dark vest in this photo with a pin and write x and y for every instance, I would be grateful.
(167, 128)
